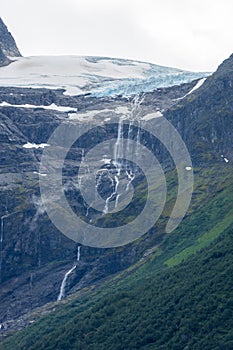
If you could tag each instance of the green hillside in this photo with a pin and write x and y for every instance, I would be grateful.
(178, 297)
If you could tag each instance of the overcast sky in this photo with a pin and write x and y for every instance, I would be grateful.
(189, 34)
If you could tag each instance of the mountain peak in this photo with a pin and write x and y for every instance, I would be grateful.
(7, 43)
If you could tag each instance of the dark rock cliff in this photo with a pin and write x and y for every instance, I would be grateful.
(205, 118)
(7, 42)
(4, 61)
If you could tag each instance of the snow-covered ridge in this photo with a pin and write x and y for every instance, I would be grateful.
(99, 76)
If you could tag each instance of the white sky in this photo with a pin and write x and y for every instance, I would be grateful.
(188, 34)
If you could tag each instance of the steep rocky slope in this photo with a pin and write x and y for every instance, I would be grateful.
(7, 42)
(3, 59)
(205, 118)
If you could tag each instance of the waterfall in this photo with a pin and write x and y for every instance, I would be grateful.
(122, 166)
(113, 194)
(62, 292)
(101, 173)
(78, 253)
(116, 188)
(87, 210)
(138, 142)
(84, 164)
(83, 155)
(118, 148)
(131, 177)
(129, 137)
(117, 161)
(106, 207)
(98, 180)
(2, 228)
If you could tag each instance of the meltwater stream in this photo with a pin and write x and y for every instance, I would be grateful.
(62, 293)
(120, 155)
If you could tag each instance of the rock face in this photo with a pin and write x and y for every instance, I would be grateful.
(7, 42)
(205, 118)
(3, 59)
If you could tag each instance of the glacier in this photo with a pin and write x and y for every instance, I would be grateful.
(98, 76)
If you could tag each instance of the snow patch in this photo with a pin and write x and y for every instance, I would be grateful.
(121, 110)
(53, 106)
(150, 116)
(106, 160)
(36, 172)
(197, 86)
(224, 158)
(87, 115)
(34, 145)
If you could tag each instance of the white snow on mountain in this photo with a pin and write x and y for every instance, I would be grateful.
(150, 116)
(34, 145)
(89, 115)
(197, 86)
(99, 76)
(53, 106)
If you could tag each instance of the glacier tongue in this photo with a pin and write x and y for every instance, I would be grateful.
(99, 76)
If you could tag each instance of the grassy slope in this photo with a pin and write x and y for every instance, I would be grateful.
(181, 298)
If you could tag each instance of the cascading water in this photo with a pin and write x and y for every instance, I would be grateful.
(137, 152)
(113, 195)
(118, 148)
(131, 177)
(79, 253)
(2, 228)
(129, 151)
(62, 293)
(83, 155)
(122, 166)
(116, 189)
